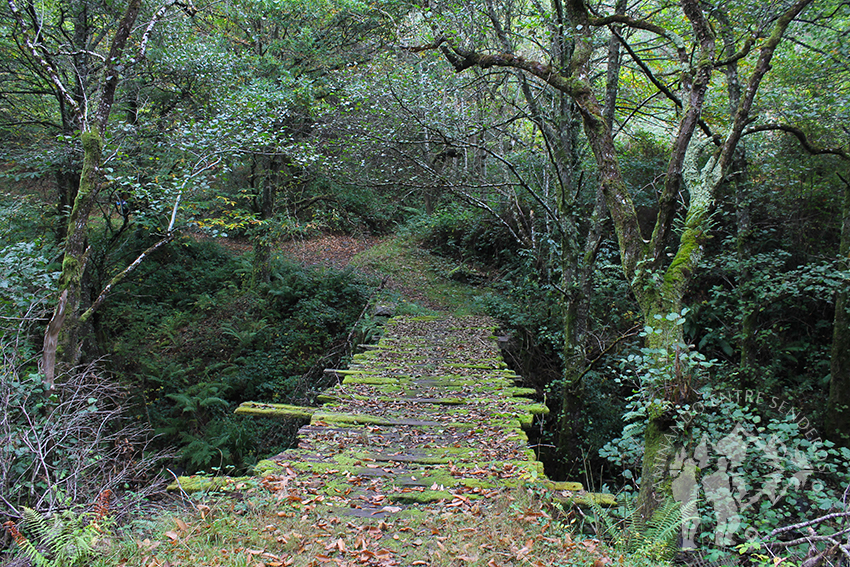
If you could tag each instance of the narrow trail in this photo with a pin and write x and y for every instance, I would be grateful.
(430, 413)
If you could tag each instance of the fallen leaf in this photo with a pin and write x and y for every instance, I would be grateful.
(338, 545)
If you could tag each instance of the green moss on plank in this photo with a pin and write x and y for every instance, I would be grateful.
(420, 497)
(585, 498)
(563, 485)
(197, 483)
(267, 467)
(283, 411)
(363, 378)
(333, 418)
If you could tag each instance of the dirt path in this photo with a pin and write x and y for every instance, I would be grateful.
(327, 250)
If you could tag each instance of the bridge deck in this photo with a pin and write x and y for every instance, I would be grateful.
(429, 413)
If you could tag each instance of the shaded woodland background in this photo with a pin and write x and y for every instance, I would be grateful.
(157, 179)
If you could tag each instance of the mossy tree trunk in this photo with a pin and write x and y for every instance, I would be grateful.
(266, 189)
(62, 338)
(659, 285)
(838, 405)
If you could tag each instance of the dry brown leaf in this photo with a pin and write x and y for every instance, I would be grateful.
(173, 536)
(181, 524)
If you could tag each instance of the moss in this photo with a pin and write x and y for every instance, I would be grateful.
(420, 497)
(584, 499)
(282, 411)
(563, 485)
(267, 467)
(319, 417)
(535, 409)
(675, 277)
(518, 392)
(196, 483)
(368, 379)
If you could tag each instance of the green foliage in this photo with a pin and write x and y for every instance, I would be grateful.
(64, 539)
(27, 272)
(645, 542)
(201, 342)
(790, 306)
(462, 232)
(778, 469)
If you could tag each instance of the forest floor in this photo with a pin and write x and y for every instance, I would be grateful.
(417, 458)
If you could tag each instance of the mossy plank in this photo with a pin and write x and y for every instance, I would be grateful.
(283, 411)
(197, 483)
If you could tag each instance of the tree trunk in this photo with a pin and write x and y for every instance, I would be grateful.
(261, 272)
(739, 181)
(576, 309)
(838, 405)
(67, 185)
(61, 340)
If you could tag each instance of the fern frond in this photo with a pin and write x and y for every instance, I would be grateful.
(603, 516)
(25, 545)
(658, 540)
(37, 526)
(67, 540)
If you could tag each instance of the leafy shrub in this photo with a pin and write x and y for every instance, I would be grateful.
(212, 342)
(750, 461)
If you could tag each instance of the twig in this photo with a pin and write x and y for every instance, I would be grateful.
(182, 492)
(807, 523)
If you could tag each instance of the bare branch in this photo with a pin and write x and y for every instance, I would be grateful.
(801, 136)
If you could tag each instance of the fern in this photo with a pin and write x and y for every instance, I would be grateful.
(654, 540)
(63, 540)
(658, 540)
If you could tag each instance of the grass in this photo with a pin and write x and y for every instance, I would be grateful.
(262, 528)
(419, 282)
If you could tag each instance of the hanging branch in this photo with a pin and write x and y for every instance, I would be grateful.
(801, 136)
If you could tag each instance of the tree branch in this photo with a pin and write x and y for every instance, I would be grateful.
(122, 274)
(801, 136)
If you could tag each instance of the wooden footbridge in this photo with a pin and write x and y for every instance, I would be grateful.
(429, 413)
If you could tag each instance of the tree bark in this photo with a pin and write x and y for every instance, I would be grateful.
(61, 340)
(838, 404)
(261, 271)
